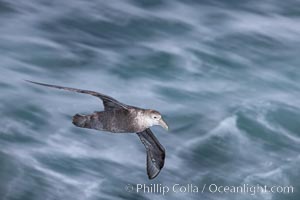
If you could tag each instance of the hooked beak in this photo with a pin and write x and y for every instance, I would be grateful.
(163, 124)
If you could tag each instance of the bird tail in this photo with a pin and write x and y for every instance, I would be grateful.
(91, 121)
(81, 120)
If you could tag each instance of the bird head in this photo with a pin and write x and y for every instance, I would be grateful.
(155, 118)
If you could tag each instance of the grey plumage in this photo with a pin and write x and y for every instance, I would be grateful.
(121, 118)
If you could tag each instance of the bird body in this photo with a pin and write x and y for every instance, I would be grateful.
(121, 118)
(115, 121)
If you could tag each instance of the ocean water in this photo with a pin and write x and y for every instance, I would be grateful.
(224, 74)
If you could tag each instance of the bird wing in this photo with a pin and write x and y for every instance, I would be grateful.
(155, 153)
(109, 103)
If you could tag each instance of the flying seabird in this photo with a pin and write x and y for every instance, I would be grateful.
(118, 117)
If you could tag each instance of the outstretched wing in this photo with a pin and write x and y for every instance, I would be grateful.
(155, 153)
(108, 102)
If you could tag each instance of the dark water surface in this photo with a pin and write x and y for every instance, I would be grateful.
(225, 74)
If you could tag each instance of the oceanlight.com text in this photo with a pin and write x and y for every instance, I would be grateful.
(209, 188)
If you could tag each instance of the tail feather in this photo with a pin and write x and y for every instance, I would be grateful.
(80, 120)
(91, 121)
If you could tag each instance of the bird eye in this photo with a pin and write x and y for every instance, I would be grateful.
(155, 117)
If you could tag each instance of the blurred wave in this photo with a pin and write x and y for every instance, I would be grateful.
(223, 73)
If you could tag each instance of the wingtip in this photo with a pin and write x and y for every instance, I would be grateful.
(152, 176)
(153, 171)
(29, 81)
(37, 83)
